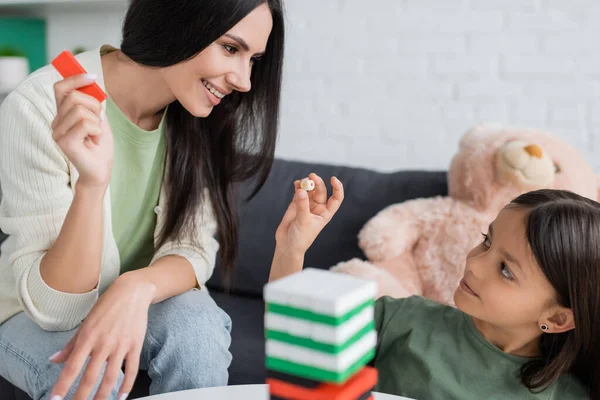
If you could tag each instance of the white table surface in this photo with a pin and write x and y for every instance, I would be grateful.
(246, 392)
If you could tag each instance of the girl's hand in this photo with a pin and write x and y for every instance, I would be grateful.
(112, 332)
(307, 215)
(82, 132)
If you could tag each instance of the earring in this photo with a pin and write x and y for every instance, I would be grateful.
(544, 327)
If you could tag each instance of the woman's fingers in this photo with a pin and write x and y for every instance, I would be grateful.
(63, 355)
(131, 369)
(81, 131)
(77, 98)
(64, 87)
(73, 99)
(91, 376)
(74, 116)
(111, 376)
(71, 370)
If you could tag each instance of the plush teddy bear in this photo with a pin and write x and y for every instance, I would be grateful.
(420, 246)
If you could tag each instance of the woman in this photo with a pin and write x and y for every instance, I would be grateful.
(111, 208)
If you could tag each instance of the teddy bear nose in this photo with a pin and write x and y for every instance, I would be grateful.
(534, 150)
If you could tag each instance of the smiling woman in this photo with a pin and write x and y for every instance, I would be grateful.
(138, 197)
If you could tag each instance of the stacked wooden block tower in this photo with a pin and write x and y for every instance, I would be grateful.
(320, 336)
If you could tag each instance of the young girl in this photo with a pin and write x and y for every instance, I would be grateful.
(115, 211)
(527, 322)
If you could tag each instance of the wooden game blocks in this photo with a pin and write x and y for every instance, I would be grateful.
(320, 335)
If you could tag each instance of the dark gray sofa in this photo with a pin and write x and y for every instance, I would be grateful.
(367, 192)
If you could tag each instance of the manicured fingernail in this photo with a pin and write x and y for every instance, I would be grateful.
(91, 77)
(102, 115)
(53, 356)
(123, 396)
(56, 397)
(302, 194)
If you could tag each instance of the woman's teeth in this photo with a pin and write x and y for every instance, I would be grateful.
(213, 90)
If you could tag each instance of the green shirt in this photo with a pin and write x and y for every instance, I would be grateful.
(428, 351)
(135, 187)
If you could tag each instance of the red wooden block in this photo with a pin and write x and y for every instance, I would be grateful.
(354, 388)
(67, 65)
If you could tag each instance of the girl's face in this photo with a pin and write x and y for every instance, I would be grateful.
(200, 83)
(503, 284)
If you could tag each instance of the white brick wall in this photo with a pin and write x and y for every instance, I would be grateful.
(393, 84)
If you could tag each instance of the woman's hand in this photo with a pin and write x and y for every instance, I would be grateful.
(307, 215)
(112, 332)
(82, 132)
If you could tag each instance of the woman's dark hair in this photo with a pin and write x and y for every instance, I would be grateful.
(563, 230)
(237, 140)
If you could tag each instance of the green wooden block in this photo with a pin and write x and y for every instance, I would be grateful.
(317, 317)
(316, 345)
(315, 373)
(27, 35)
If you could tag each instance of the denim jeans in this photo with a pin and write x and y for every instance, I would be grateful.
(186, 347)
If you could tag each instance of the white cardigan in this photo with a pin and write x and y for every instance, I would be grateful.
(37, 183)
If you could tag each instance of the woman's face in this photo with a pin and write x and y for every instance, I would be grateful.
(200, 83)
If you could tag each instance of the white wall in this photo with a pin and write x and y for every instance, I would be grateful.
(393, 84)
(70, 29)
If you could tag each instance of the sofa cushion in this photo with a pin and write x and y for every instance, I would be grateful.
(366, 193)
(10, 392)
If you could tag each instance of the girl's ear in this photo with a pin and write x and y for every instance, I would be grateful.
(560, 319)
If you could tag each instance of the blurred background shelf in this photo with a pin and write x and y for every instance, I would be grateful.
(28, 2)
(68, 24)
(42, 6)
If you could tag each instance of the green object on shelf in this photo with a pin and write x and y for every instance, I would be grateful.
(78, 50)
(8, 51)
(27, 35)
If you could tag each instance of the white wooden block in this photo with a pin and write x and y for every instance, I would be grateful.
(320, 291)
(313, 358)
(323, 333)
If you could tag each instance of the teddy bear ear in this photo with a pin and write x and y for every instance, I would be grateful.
(480, 131)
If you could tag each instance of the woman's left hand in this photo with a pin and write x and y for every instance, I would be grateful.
(113, 332)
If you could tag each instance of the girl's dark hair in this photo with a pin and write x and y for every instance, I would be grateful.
(563, 230)
(237, 140)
